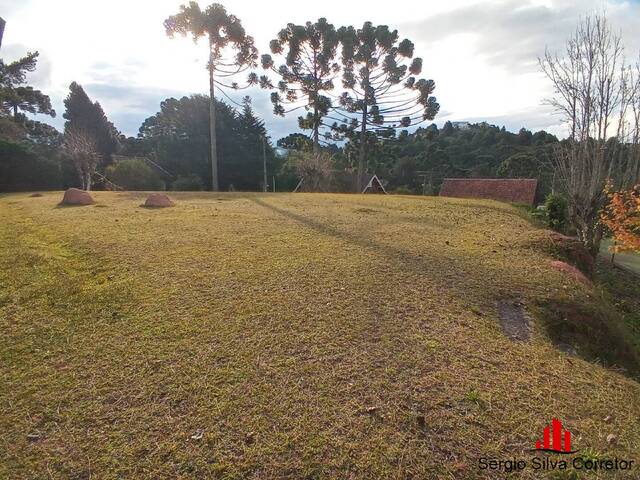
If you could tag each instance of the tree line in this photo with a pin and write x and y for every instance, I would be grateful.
(381, 92)
(172, 150)
(381, 87)
(597, 94)
(358, 92)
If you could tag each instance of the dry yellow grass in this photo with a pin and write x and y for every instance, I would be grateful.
(301, 336)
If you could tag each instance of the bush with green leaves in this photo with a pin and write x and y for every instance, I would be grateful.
(403, 190)
(22, 168)
(557, 213)
(187, 183)
(134, 174)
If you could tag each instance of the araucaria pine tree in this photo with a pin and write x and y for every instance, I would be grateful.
(308, 70)
(15, 96)
(382, 89)
(231, 52)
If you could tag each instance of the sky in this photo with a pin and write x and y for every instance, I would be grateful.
(482, 55)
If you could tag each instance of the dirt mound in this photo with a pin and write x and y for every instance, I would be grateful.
(35, 195)
(571, 271)
(158, 200)
(573, 251)
(75, 196)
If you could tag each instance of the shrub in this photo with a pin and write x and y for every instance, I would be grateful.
(557, 214)
(622, 217)
(134, 174)
(403, 190)
(315, 169)
(187, 183)
(22, 169)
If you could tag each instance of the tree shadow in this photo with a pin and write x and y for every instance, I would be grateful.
(466, 281)
(409, 260)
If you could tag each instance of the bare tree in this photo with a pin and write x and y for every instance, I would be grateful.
(630, 128)
(314, 169)
(594, 93)
(80, 146)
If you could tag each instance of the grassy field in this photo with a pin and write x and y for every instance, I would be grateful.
(286, 336)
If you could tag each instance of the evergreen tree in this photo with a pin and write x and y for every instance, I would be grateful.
(231, 51)
(177, 138)
(81, 114)
(447, 129)
(29, 156)
(254, 133)
(15, 96)
(252, 125)
(383, 91)
(308, 70)
(295, 141)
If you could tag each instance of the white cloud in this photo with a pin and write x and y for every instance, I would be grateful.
(482, 55)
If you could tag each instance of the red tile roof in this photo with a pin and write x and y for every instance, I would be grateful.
(516, 190)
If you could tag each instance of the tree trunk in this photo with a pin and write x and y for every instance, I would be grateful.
(80, 172)
(316, 131)
(589, 232)
(264, 164)
(362, 154)
(363, 148)
(212, 123)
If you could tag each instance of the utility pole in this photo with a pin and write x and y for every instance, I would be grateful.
(265, 187)
(427, 188)
(2, 23)
(212, 119)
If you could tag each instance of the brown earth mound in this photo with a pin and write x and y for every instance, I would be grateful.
(567, 249)
(75, 196)
(35, 195)
(158, 200)
(571, 271)
(573, 251)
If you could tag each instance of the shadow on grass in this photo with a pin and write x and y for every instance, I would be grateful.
(409, 260)
(595, 329)
(71, 205)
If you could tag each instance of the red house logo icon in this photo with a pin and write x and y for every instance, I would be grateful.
(555, 439)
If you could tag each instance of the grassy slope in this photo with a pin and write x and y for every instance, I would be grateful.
(622, 289)
(274, 323)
